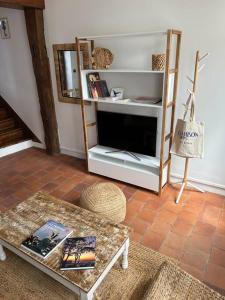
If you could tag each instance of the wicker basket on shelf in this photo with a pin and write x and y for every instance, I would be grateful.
(158, 62)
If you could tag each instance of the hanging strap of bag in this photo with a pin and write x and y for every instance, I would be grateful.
(190, 106)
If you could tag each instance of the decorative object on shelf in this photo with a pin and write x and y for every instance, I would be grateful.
(189, 137)
(105, 199)
(147, 100)
(4, 28)
(158, 62)
(102, 58)
(117, 93)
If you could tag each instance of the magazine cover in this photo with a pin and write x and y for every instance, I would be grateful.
(91, 82)
(79, 253)
(43, 241)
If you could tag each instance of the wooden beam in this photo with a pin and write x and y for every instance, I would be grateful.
(23, 3)
(35, 31)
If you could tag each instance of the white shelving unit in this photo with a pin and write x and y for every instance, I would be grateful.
(120, 166)
(86, 71)
(123, 102)
(129, 78)
(148, 172)
(123, 35)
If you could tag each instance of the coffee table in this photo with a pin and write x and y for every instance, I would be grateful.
(112, 240)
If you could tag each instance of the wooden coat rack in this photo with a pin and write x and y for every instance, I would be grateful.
(185, 181)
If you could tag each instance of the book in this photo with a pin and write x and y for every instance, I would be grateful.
(104, 88)
(91, 79)
(98, 87)
(46, 239)
(79, 253)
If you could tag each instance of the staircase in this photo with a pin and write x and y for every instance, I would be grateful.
(12, 129)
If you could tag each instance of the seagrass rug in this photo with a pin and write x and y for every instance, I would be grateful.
(19, 280)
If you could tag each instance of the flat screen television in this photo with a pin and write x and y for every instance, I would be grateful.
(127, 132)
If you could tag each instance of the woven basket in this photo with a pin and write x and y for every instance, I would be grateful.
(102, 58)
(158, 62)
(105, 199)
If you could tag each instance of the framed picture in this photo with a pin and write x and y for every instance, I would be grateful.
(4, 28)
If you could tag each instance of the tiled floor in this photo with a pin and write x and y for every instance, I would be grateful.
(192, 232)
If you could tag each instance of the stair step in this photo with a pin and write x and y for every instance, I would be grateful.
(3, 114)
(10, 136)
(18, 141)
(7, 124)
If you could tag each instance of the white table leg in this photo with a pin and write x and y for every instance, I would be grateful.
(2, 254)
(84, 296)
(125, 255)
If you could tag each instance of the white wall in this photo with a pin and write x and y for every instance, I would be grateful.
(17, 82)
(203, 26)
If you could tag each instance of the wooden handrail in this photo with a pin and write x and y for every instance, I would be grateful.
(23, 3)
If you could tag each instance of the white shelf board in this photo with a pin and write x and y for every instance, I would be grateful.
(124, 102)
(124, 35)
(146, 160)
(121, 71)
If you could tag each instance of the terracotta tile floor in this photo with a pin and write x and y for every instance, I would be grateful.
(192, 232)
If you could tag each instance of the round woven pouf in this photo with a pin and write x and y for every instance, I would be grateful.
(105, 199)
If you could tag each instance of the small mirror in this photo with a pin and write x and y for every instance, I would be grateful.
(65, 56)
(68, 74)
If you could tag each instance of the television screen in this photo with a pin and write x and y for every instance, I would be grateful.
(127, 132)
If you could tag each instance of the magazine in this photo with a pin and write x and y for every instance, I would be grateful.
(79, 253)
(47, 238)
(96, 88)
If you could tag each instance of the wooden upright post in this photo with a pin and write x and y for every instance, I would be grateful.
(84, 122)
(165, 101)
(35, 31)
(169, 103)
(172, 123)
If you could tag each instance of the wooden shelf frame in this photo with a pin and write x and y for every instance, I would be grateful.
(166, 102)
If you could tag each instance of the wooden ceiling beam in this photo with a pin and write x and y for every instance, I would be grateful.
(20, 4)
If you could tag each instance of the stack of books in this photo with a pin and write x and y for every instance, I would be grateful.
(78, 252)
(97, 88)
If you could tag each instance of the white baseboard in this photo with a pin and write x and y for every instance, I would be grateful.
(72, 152)
(15, 148)
(205, 185)
(39, 145)
(19, 147)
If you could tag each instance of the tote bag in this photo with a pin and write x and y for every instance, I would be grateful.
(189, 134)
